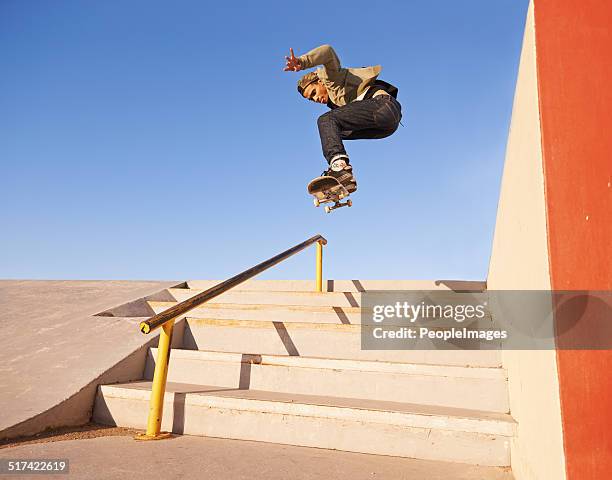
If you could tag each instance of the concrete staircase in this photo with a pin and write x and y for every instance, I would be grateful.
(276, 362)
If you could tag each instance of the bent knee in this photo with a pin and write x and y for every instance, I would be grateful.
(324, 119)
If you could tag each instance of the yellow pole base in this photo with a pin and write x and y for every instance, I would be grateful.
(159, 436)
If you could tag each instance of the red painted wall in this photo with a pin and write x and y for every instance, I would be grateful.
(574, 61)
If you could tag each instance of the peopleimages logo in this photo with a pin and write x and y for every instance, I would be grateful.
(422, 311)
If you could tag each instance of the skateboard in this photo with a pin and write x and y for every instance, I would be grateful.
(327, 190)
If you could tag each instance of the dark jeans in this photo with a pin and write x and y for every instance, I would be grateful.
(376, 117)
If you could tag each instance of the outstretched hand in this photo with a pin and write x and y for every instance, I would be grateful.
(293, 63)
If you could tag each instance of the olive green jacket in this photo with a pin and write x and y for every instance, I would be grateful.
(343, 84)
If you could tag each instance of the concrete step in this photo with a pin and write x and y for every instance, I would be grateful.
(288, 313)
(346, 285)
(330, 299)
(283, 313)
(458, 387)
(366, 426)
(310, 339)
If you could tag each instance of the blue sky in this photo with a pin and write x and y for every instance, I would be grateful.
(162, 140)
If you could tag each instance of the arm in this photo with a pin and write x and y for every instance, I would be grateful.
(323, 55)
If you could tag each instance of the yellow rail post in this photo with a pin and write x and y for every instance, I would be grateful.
(156, 405)
(319, 266)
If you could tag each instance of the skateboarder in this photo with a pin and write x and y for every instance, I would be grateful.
(361, 106)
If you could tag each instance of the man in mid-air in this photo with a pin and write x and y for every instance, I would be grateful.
(361, 106)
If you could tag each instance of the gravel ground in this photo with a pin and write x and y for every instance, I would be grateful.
(91, 430)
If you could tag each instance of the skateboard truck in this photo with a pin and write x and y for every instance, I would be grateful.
(328, 208)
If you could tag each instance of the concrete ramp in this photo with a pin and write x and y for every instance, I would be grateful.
(55, 348)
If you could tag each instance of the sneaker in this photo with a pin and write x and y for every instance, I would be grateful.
(342, 171)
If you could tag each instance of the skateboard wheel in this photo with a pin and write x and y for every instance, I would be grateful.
(327, 209)
(341, 196)
(316, 202)
(349, 203)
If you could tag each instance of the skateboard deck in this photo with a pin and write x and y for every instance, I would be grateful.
(327, 190)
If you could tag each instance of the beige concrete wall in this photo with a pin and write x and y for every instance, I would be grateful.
(519, 261)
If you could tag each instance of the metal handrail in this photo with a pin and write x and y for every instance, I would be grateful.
(165, 320)
(197, 300)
